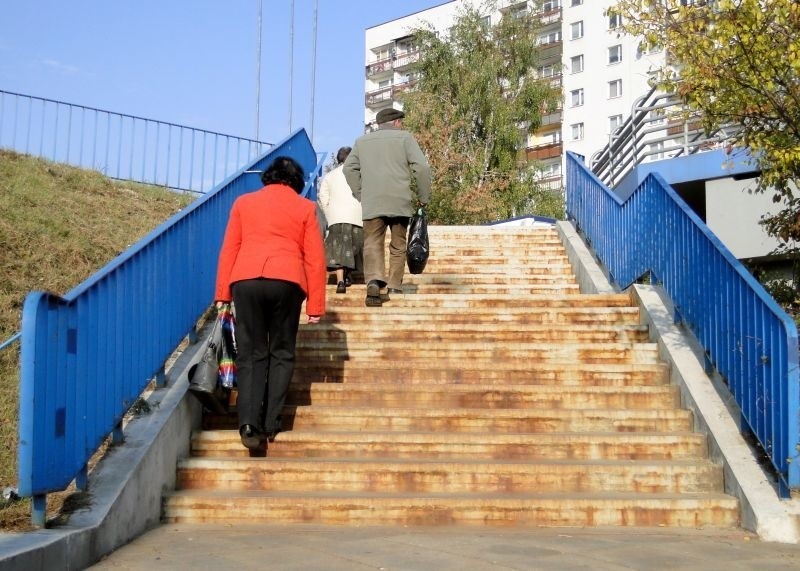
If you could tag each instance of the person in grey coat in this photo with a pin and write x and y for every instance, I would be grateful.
(379, 171)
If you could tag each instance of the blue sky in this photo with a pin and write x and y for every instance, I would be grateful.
(194, 62)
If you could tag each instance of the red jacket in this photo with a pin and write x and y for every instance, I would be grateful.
(273, 233)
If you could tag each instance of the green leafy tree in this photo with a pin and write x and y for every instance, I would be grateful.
(737, 62)
(476, 98)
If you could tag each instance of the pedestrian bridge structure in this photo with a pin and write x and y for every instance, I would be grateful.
(617, 368)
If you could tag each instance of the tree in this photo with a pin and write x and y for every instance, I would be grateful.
(476, 98)
(737, 62)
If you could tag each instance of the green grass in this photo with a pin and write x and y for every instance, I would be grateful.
(58, 225)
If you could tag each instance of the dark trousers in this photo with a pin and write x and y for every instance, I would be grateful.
(375, 250)
(267, 319)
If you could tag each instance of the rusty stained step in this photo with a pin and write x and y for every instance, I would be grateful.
(488, 333)
(557, 374)
(516, 290)
(406, 419)
(484, 396)
(404, 348)
(527, 510)
(506, 278)
(440, 445)
(549, 267)
(488, 300)
(471, 422)
(401, 316)
(436, 476)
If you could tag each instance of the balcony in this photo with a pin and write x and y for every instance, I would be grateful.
(403, 87)
(552, 183)
(378, 96)
(552, 16)
(406, 59)
(379, 67)
(544, 152)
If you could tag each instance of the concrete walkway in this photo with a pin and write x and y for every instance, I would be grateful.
(313, 547)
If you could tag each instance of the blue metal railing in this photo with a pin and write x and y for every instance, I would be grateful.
(746, 336)
(122, 146)
(87, 356)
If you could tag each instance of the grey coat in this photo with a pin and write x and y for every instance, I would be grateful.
(379, 171)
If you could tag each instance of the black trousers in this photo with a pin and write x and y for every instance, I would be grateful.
(267, 319)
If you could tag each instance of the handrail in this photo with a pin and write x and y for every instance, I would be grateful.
(746, 336)
(122, 146)
(659, 119)
(88, 355)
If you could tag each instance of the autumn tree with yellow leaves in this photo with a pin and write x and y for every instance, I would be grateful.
(737, 62)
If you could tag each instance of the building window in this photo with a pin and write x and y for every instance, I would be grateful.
(614, 21)
(576, 64)
(614, 123)
(576, 2)
(656, 151)
(615, 54)
(576, 30)
(551, 5)
(577, 131)
(547, 71)
(576, 97)
(615, 88)
(553, 138)
(486, 22)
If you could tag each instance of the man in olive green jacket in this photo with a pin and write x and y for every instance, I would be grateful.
(379, 171)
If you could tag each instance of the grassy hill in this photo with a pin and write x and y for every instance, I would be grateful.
(58, 225)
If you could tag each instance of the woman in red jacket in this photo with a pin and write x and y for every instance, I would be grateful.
(272, 258)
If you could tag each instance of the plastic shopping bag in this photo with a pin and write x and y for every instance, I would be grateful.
(417, 250)
(227, 355)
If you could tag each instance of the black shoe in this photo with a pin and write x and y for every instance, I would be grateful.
(341, 287)
(251, 437)
(347, 281)
(276, 428)
(374, 297)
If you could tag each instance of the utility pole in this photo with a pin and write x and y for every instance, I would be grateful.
(291, 63)
(258, 67)
(313, 72)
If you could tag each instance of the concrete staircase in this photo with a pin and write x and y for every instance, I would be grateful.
(492, 392)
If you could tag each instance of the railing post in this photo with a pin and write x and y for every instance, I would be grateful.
(117, 436)
(82, 478)
(161, 378)
(39, 510)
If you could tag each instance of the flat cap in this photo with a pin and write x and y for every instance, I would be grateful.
(386, 115)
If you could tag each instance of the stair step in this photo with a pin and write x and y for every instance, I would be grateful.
(485, 396)
(531, 510)
(402, 316)
(435, 476)
(440, 445)
(564, 374)
(487, 333)
(489, 300)
(405, 419)
(404, 348)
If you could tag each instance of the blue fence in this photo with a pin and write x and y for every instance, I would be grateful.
(87, 356)
(122, 146)
(746, 336)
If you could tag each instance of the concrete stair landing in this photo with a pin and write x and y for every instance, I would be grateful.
(490, 393)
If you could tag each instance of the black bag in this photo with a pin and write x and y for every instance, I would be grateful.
(204, 375)
(417, 250)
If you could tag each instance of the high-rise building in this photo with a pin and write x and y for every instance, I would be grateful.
(601, 71)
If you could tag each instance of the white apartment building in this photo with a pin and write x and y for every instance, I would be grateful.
(601, 71)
